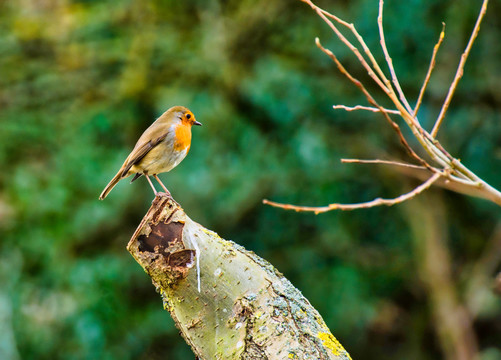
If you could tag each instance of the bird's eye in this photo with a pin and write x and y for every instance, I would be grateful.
(188, 116)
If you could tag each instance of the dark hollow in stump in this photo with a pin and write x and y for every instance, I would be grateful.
(245, 309)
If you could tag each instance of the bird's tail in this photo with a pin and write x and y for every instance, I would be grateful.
(111, 185)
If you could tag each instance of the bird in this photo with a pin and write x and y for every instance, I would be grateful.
(160, 148)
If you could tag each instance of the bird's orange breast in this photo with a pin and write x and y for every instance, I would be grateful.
(183, 137)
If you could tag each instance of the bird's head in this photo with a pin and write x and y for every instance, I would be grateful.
(184, 116)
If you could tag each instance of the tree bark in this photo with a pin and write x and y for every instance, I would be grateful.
(453, 322)
(245, 308)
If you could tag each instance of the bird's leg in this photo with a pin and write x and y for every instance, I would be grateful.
(162, 185)
(151, 184)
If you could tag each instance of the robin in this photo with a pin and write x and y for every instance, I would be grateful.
(160, 149)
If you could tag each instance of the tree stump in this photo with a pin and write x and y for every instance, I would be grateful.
(245, 308)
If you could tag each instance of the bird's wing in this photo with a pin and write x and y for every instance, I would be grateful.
(140, 152)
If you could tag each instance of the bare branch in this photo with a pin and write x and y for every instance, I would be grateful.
(430, 69)
(373, 102)
(382, 81)
(383, 162)
(460, 69)
(455, 176)
(365, 205)
(360, 107)
(447, 181)
(389, 61)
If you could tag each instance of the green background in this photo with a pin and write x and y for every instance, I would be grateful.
(81, 80)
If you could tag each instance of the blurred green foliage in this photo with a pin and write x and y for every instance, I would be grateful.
(80, 81)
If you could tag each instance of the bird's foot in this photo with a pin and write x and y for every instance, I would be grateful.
(166, 193)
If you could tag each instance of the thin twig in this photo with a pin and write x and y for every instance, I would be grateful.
(373, 102)
(460, 70)
(346, 207)
(383, 162)
(447, 176)
(389, 61)
(430, 69)
(368, 108)
(377, 74)
(382, 81)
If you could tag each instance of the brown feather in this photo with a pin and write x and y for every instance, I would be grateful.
(139, 153)
(110, 186)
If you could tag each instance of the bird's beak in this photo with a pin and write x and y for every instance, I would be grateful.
(197, 123)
